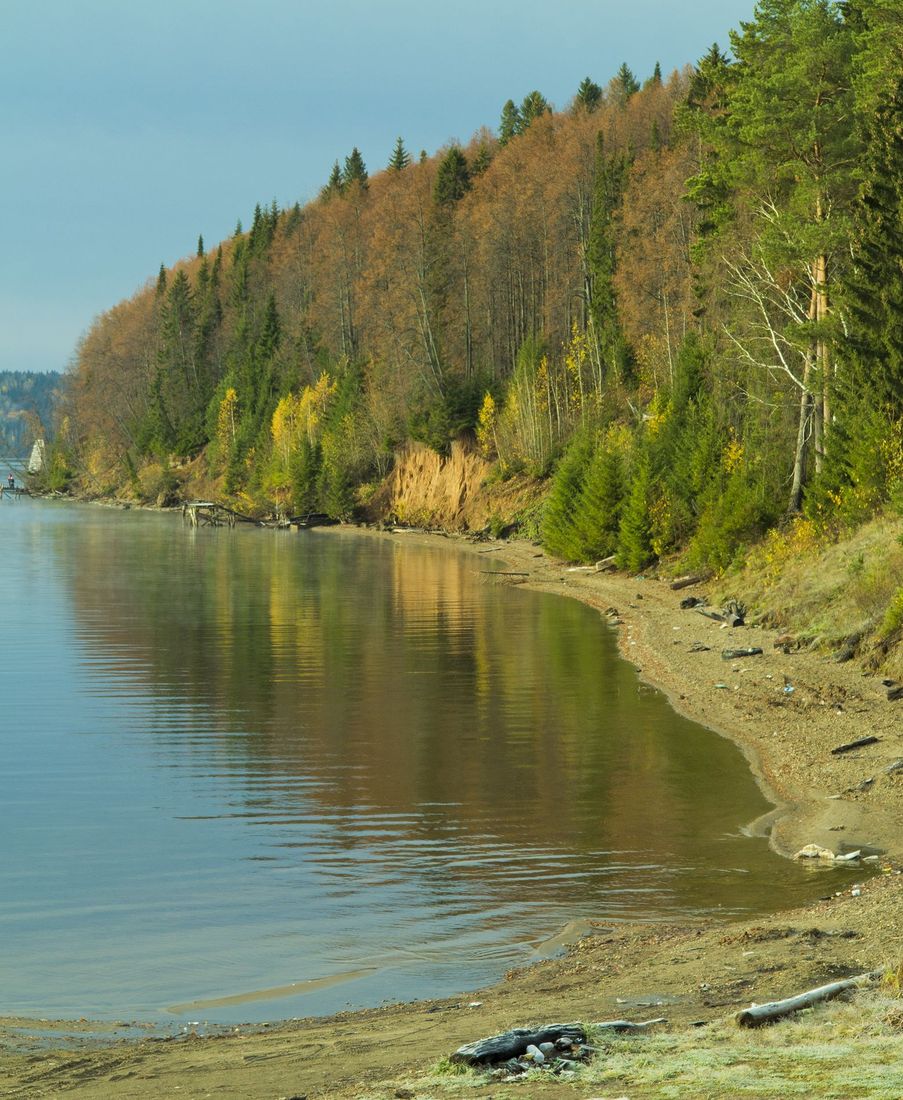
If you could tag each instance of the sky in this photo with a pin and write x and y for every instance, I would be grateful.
(129, 127)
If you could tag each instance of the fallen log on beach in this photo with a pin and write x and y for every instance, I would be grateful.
(686, 581)
(511, 1044)
(756, 1015)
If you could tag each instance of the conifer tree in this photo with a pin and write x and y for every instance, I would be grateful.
(589, 95)
(452, 179)
(270, 330)
(608, 185)
(355, 170)
(635, 529)
(598, 513)
(655, 136)
(533, 107)
(654, 81)
(481, 161)
(334, 185)
(874, 289)
(156, 434)
(200, 251)
(559, 535)
(625, 84)
(511, 123)
(161, 281)
(705, 114)
(400, 158)
(307, 463)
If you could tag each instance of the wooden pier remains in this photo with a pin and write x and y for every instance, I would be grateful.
(208, 513)
(15, 492)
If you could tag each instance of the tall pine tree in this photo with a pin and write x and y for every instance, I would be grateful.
(400, 158)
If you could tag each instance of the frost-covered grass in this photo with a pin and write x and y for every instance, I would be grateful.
(841, 1051)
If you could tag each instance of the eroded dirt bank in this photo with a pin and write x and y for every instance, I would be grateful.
(699, 973)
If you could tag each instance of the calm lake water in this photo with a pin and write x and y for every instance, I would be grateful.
(238, 760)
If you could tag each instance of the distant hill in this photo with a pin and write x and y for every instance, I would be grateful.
(25, 395)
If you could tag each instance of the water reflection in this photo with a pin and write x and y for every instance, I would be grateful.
(289, 757)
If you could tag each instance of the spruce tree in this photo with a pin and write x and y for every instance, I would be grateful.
(200, 251)
(874, 288)
(654, 81)
(533, 107)
(452, 179)
(635, 529)
(306, 466)
(598, 513)
(400, 158)
(608, 186)
(334, 185)
(178, 371)
(511, 123)
(625, 84)
(161, 281)
(705, 114)
(481, 161)
(589, 95)
(355, 170)
(559, 534)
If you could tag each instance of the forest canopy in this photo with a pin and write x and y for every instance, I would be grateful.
(679, 298)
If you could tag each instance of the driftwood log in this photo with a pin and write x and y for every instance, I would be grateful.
(861, 743)
(686, 581)
(756, 1015)
(737, 654)
(514, 1043)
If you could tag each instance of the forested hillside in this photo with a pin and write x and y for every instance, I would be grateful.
(27, 401)
(679, 299)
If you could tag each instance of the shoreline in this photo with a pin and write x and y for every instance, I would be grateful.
(786, 740)
(744, 701)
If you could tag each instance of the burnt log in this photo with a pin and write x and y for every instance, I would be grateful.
(514, 1043)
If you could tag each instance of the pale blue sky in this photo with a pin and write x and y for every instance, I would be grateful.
(130, 127)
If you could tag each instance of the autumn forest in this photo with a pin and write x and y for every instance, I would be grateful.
(676, 302)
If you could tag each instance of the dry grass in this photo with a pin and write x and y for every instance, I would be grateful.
(839, 1051)
(825, 591)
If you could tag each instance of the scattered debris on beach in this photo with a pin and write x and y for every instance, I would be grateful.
(560, 1049)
